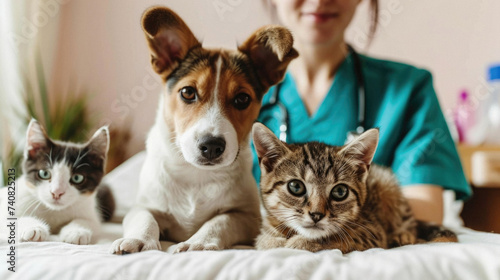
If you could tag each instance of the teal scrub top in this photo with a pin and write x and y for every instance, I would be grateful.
(400, 100)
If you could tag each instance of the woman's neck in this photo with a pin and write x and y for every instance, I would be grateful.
(314, 70)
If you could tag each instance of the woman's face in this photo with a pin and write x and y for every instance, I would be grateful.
(316, 21)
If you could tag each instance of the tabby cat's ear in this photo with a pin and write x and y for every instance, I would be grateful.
(99, 143)
(36, 139)
(363, 147)
(269, 148)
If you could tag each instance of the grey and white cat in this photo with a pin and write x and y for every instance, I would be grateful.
(320, 197)
(58, 192)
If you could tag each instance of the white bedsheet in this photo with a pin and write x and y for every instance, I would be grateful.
(475, 257)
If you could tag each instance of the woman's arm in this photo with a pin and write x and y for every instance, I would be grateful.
(426, 202)
(426, 160)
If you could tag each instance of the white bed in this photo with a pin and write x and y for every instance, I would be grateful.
(476, 256)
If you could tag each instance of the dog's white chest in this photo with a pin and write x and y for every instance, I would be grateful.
(190, 198)
(193, 205)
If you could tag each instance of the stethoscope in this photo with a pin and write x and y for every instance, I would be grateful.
(283, 119)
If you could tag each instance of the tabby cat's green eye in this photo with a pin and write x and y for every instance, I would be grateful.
(44, 174)
(77, 178)
(296, 188)
(339, 192)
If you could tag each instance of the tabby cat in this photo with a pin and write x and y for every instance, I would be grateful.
(58, 191)
(326, 197)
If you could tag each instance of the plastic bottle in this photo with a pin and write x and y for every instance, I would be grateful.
(493, 136)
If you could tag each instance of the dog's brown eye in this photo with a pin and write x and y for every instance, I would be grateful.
(188, 94)
(242, 101)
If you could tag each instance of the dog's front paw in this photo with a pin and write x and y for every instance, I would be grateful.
(125, 246)
(196, 246)
(34, 234)
(76, 236)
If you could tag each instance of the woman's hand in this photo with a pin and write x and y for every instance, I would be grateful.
(426, 201)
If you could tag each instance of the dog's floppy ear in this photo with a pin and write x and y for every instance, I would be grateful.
(271, 49)
(169, 39)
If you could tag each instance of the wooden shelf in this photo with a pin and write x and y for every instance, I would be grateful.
(482, 210)
(466, 151)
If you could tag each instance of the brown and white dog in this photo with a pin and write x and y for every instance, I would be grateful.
(196, 185)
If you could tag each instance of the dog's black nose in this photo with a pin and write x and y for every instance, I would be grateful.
(316, 216)
(212, 147)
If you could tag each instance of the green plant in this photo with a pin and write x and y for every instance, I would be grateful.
(65, 118)
(10, 158)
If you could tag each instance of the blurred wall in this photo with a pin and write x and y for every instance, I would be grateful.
(101, 48)
(455, 39)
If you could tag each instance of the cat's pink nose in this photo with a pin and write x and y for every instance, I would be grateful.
(57, 195)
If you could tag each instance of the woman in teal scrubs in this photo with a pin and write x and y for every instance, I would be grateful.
(320, 94)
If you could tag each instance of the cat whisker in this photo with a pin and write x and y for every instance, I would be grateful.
(283, 226)
(31, 204)
(80, 157)
(361, 226)
(278, 229)
(49, 156)
(336, 234)
(352, 231)
(359, 229)
(39, 203)
(344, 235)
(284, 223)
(83, 164)
(24, 200)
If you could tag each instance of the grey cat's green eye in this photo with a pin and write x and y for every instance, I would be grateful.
(296, 188)
(77, 178)
(339, 192)
(44, 174)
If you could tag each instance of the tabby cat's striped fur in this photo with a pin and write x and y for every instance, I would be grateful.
(325, 197)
